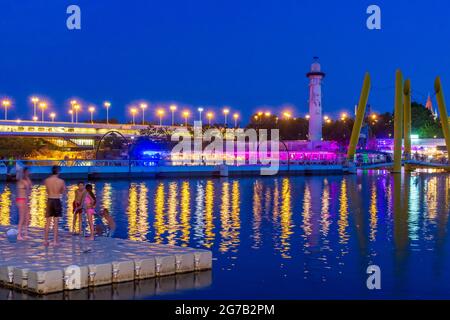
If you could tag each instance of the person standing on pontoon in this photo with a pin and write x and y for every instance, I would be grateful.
(55, 187)
(23, 191)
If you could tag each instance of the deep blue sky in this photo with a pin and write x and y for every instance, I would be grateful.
(223, 52)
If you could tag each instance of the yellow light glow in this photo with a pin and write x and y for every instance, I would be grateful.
(133, 111)
(43, 105)
(91, 109)
(6, 103)
(185, 114)
(267, 113)
(287, 115)
(235, 116)
(34, 99)
(143, 106)
(107, 104)
(160, 112)
(173, 107)
(209, 115)
(226, 111)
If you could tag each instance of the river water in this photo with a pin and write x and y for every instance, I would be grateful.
(301, 237)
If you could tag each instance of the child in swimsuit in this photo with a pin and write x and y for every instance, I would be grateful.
(78, 208)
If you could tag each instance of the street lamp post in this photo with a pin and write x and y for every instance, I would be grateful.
(143, 107)
(200, 110)
(209, 115)
(77, 108)
(226, 111)
(71, 115)
(6, 104)
(173, 108)
(160, 114)
(133, 114)
(186, 115)
(92, 110)
(35, 100)
(235, 117)
(52, 116)
(107, 104)
(43, 106)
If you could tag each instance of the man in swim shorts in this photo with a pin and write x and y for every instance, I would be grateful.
(55, 187)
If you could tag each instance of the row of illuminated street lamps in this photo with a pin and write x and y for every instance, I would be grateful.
(75, 109)
(287, 115)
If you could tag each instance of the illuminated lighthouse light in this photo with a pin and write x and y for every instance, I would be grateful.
(315, 101)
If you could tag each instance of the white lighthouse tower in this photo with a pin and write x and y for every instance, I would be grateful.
(315, 101)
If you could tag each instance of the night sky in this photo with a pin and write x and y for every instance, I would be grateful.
(240, 53)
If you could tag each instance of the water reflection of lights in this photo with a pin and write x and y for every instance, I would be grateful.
(106, 196)
(132, 212)
(343, 213)
(257, 209)
(5, 206)
(225, 218)
(373, 212)
(286, 218)
(185, 213)
(142, 223)
(38, 205)
(307, 207)
(159, 224)
(209, 215)
(414, 209)
(171, 223)
(70, 198)
(431, 197)
(325, 221)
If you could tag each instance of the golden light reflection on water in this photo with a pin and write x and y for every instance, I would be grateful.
(286, 219)
(69, 204)
(142, 223)
(5, 206)
(257, 210)
(325, 221)
(431, 197)
(107, 197)
(185, 213)
(225, 218)
(159, 224)
(132, 212)
(307, 207)
(38, 205)
(343, 213)
(171, 222)
(373, 212)
(209, 215)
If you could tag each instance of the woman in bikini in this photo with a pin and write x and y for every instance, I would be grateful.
(23, 191)
(89, 205)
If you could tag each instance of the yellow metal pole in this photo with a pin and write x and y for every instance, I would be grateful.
(398, 122)
(442, 112)
(407, 118)
(407, 122)
(359, 117)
